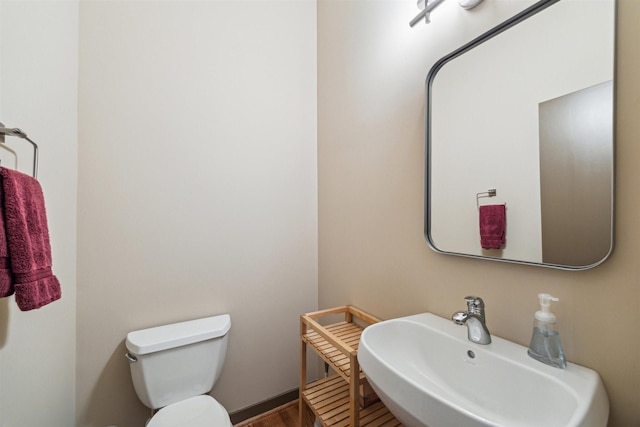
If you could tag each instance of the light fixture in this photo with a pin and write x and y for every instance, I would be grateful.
(427, 6)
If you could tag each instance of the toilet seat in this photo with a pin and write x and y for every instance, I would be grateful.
(199, 411)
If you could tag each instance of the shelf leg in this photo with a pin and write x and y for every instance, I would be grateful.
(303, 410)
(354, 391)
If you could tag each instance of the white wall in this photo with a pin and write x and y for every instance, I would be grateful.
(197, 188)
(38, 93)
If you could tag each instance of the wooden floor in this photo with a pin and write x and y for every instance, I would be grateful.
(283, 416)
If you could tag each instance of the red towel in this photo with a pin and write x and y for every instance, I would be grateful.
(24, 243)
(6, 279)
(493, 226)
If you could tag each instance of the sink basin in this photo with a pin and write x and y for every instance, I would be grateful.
(429, 374)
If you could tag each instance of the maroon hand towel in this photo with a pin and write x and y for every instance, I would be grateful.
(27, 238)
(6, 279)
(493, 226)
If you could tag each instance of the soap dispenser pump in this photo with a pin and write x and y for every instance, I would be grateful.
(545, 340)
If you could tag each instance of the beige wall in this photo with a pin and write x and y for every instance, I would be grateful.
(197, 188)
(371, 70)
(38, 93)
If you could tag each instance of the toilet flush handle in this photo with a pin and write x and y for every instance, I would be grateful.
(131, 357)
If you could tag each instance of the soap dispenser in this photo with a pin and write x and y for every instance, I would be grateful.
(545, 340)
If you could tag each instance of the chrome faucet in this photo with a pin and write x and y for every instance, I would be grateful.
(474, 319)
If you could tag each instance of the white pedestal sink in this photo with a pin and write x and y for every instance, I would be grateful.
(429, 374)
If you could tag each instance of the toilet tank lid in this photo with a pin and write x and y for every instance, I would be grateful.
(177, 334)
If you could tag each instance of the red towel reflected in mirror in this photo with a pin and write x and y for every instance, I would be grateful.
(493, 226)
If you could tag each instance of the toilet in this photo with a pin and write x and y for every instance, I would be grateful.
(173, 367)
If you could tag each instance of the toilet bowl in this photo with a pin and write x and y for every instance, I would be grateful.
(174, 366)
(199, 411)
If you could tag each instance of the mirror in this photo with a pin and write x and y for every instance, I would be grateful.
(526, 110)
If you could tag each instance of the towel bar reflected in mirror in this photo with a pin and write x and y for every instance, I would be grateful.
(20, 134)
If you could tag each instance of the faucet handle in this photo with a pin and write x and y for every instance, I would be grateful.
(474, 301)
(475, 305)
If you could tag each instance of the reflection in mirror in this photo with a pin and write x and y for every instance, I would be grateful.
(527, 110)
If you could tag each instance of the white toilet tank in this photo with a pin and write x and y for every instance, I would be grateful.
(174, 362)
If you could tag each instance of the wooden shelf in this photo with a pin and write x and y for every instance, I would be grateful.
(329, 399)
(349, 333)
(335, 400)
